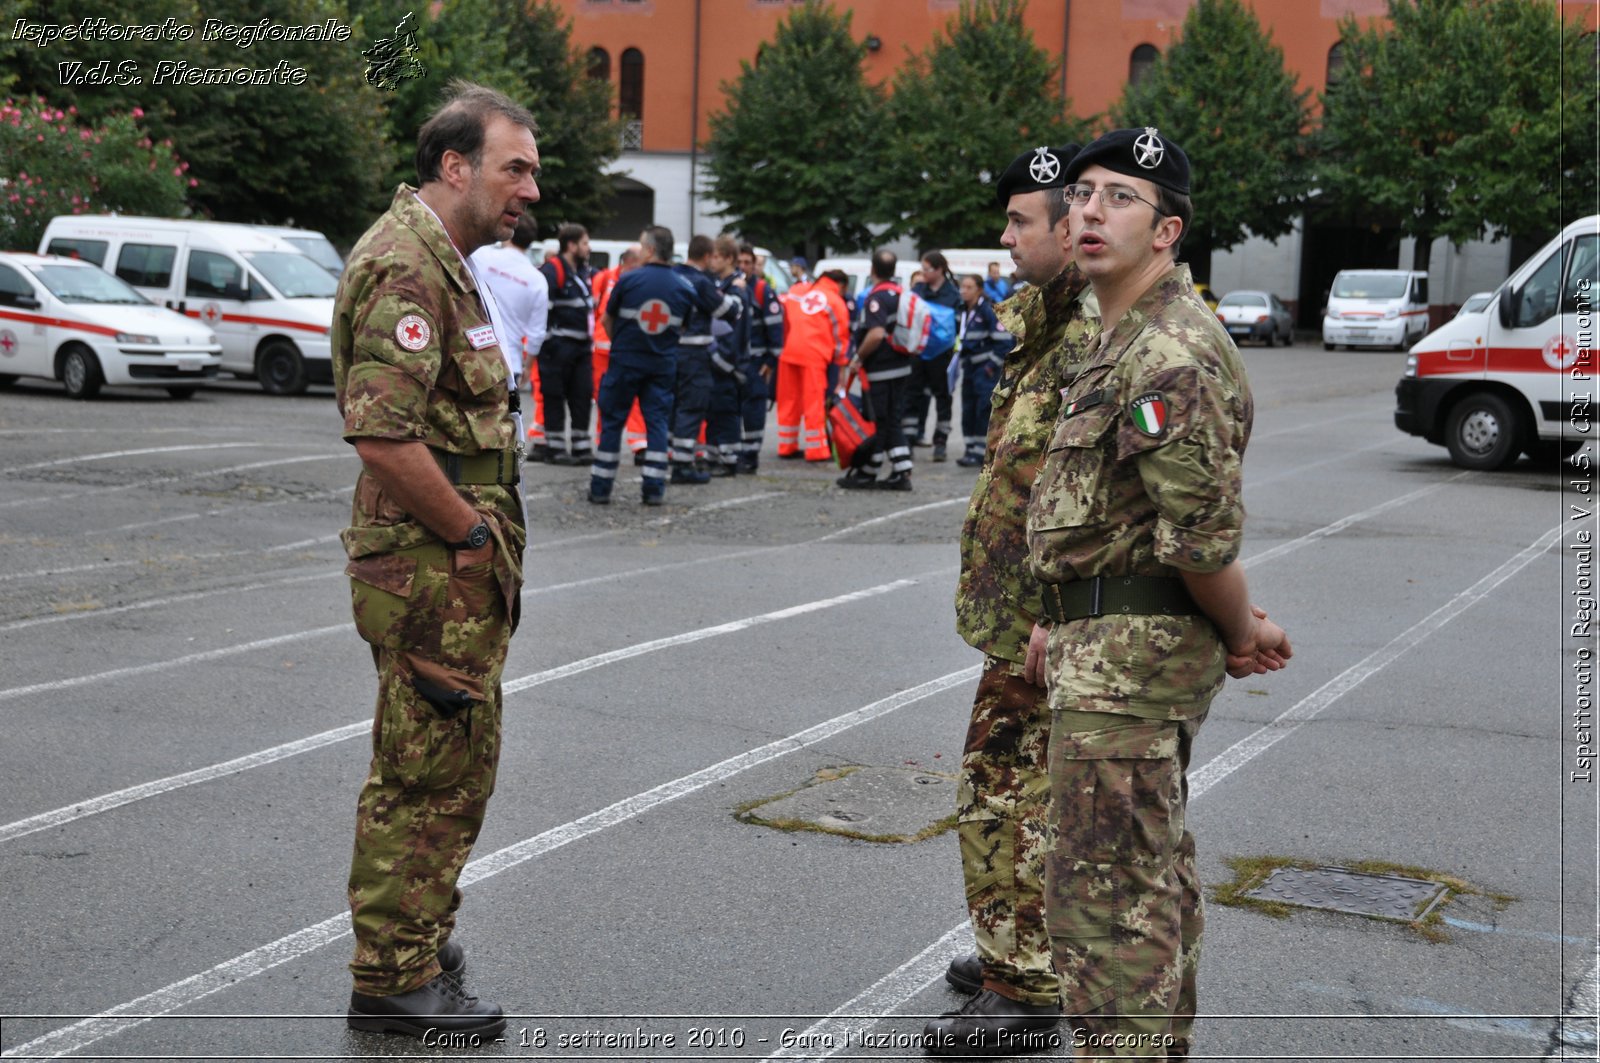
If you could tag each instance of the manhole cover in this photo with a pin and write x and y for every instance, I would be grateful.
(879, 804)
(1339, 890)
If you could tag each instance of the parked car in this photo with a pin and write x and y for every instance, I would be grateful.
(1476, 303)
(1255, 315)
(68, 320)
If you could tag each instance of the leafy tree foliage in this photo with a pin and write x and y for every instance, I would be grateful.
(785, 155)
(525, 50)
(1462, 116)
(1223, 94)
(53, 162)
(960, 111)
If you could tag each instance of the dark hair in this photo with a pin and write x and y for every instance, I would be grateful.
(700, 246)
(837, 276)
(975, 279)
(727, 247)
(747, 248)
(1056, 205)
(568, 235)
(659, 239)
(937, 260)
(458, 126)
(883, 263)
(526, 232)
(1174, 205)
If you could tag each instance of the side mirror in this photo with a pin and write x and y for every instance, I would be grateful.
(26, 302)
(1506, 304)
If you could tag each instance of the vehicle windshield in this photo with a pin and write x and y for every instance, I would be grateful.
(1475, 303)
(1369, 286)
(319, 250)
(85, 284)
(294, 275)
(1242, 299)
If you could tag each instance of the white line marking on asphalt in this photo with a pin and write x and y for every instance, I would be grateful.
(181, 994)
(1297, 470)
(888, 517)
(201, 475)
(223, 511)
(1576, 1027)
(132, 453)
(155, 603)
(847, 1023)
(727, 503)
(117, 799)
(1344, 522)
(170, 559)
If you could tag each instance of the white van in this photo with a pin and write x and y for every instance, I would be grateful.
(71, 321)
(312, 244)
(859, 271)
(1376, 308)
(605, 253)
(270, 306)
(1518, 377)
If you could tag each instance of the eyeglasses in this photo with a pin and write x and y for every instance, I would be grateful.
(1114, 197)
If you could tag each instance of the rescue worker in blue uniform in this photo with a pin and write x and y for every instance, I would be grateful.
(730, 363)
(644, 313)
(566, 359)
(692, 395)
(888, 373)
(982, 344)
(766, 341)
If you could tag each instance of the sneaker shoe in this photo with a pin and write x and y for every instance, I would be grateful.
(440, 1007)
(992, 1025)
(856, 480)
(749, 466)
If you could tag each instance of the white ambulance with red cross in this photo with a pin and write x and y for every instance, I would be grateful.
(270, 305)
(1519, 376)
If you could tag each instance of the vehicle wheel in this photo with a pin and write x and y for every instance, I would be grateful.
(80, 372)
(1483, 432)
(1551, 451)
(282, 370)
(7, 379)
(182, 391)
(1328, 346)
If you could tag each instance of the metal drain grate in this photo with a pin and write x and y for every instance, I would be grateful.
(1340, 890)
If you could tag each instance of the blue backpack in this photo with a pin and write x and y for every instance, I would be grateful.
(941, 329)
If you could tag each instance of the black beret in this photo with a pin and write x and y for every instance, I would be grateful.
(1137, 153)
(1034, 170)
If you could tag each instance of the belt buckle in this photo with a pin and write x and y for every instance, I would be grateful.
(1096, 586)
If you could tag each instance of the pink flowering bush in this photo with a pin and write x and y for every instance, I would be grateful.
(53, 163)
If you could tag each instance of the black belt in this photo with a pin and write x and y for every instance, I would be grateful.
(1118, 595)
(487, 467)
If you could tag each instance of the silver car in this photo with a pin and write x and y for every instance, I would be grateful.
(1255, 315)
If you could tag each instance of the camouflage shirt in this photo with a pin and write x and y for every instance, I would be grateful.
(1056, 326)
(415, 358)
(1143, 478)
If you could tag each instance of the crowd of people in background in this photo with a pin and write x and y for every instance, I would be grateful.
(741, 350)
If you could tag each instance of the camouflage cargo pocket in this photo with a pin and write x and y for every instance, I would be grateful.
(1066, 493)
(1118, 793)
(419, 744)
(396, 597)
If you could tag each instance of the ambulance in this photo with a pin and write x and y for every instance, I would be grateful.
(1519, 376)
(1376, 308)
(270, 306)
(72, 321)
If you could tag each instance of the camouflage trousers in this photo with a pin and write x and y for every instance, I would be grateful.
(1003, 821)
(1123, 899)
(439, 639)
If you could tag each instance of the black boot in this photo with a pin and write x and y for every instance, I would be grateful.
(899, 481)
(453, 961)
(439, 1008)
(965, 973)
(992, 1025)
(857, 480)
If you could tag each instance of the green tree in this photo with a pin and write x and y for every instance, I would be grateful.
(785, 154)
(955, 124)
(54, 162)
(1223, 94)
(1456, 120)
(525, 50)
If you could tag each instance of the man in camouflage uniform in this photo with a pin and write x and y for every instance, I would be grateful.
(435, 545)
(1002, 807)
(1134, 528)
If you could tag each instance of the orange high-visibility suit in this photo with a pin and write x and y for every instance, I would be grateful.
(816, 325)
(600, 286)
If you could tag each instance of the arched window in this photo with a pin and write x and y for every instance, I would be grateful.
(599, 64)
(1144, 57)
(1335, 65)
(631, 95)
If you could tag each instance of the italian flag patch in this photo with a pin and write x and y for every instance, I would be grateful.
(1149, 413)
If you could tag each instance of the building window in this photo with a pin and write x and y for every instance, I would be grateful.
(630, 100)
(1335, 65)
(1144, 57)
(599, 64)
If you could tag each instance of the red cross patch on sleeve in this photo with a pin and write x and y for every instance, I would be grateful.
(412, 333)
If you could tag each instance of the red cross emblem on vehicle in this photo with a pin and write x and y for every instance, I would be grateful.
(813, 302)
(1560, 352)
(653, 316)
(212, 313)
(8, 342)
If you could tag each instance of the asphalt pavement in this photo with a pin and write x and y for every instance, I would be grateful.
(186, 709)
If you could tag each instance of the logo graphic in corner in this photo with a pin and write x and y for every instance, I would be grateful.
(1148, 149)
(412, 333)
(1149, 413)
(1560, 352)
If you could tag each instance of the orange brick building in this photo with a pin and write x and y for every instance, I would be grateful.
(668, 60)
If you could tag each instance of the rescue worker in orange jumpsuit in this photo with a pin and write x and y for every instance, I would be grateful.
(600, 284)
(816, 336)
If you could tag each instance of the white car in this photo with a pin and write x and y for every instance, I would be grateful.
(1256, 315)
(1476, 302)
(68, 320)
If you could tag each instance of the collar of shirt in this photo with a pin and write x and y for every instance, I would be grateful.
(470, 282)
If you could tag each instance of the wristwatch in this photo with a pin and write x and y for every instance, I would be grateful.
(476, 537)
